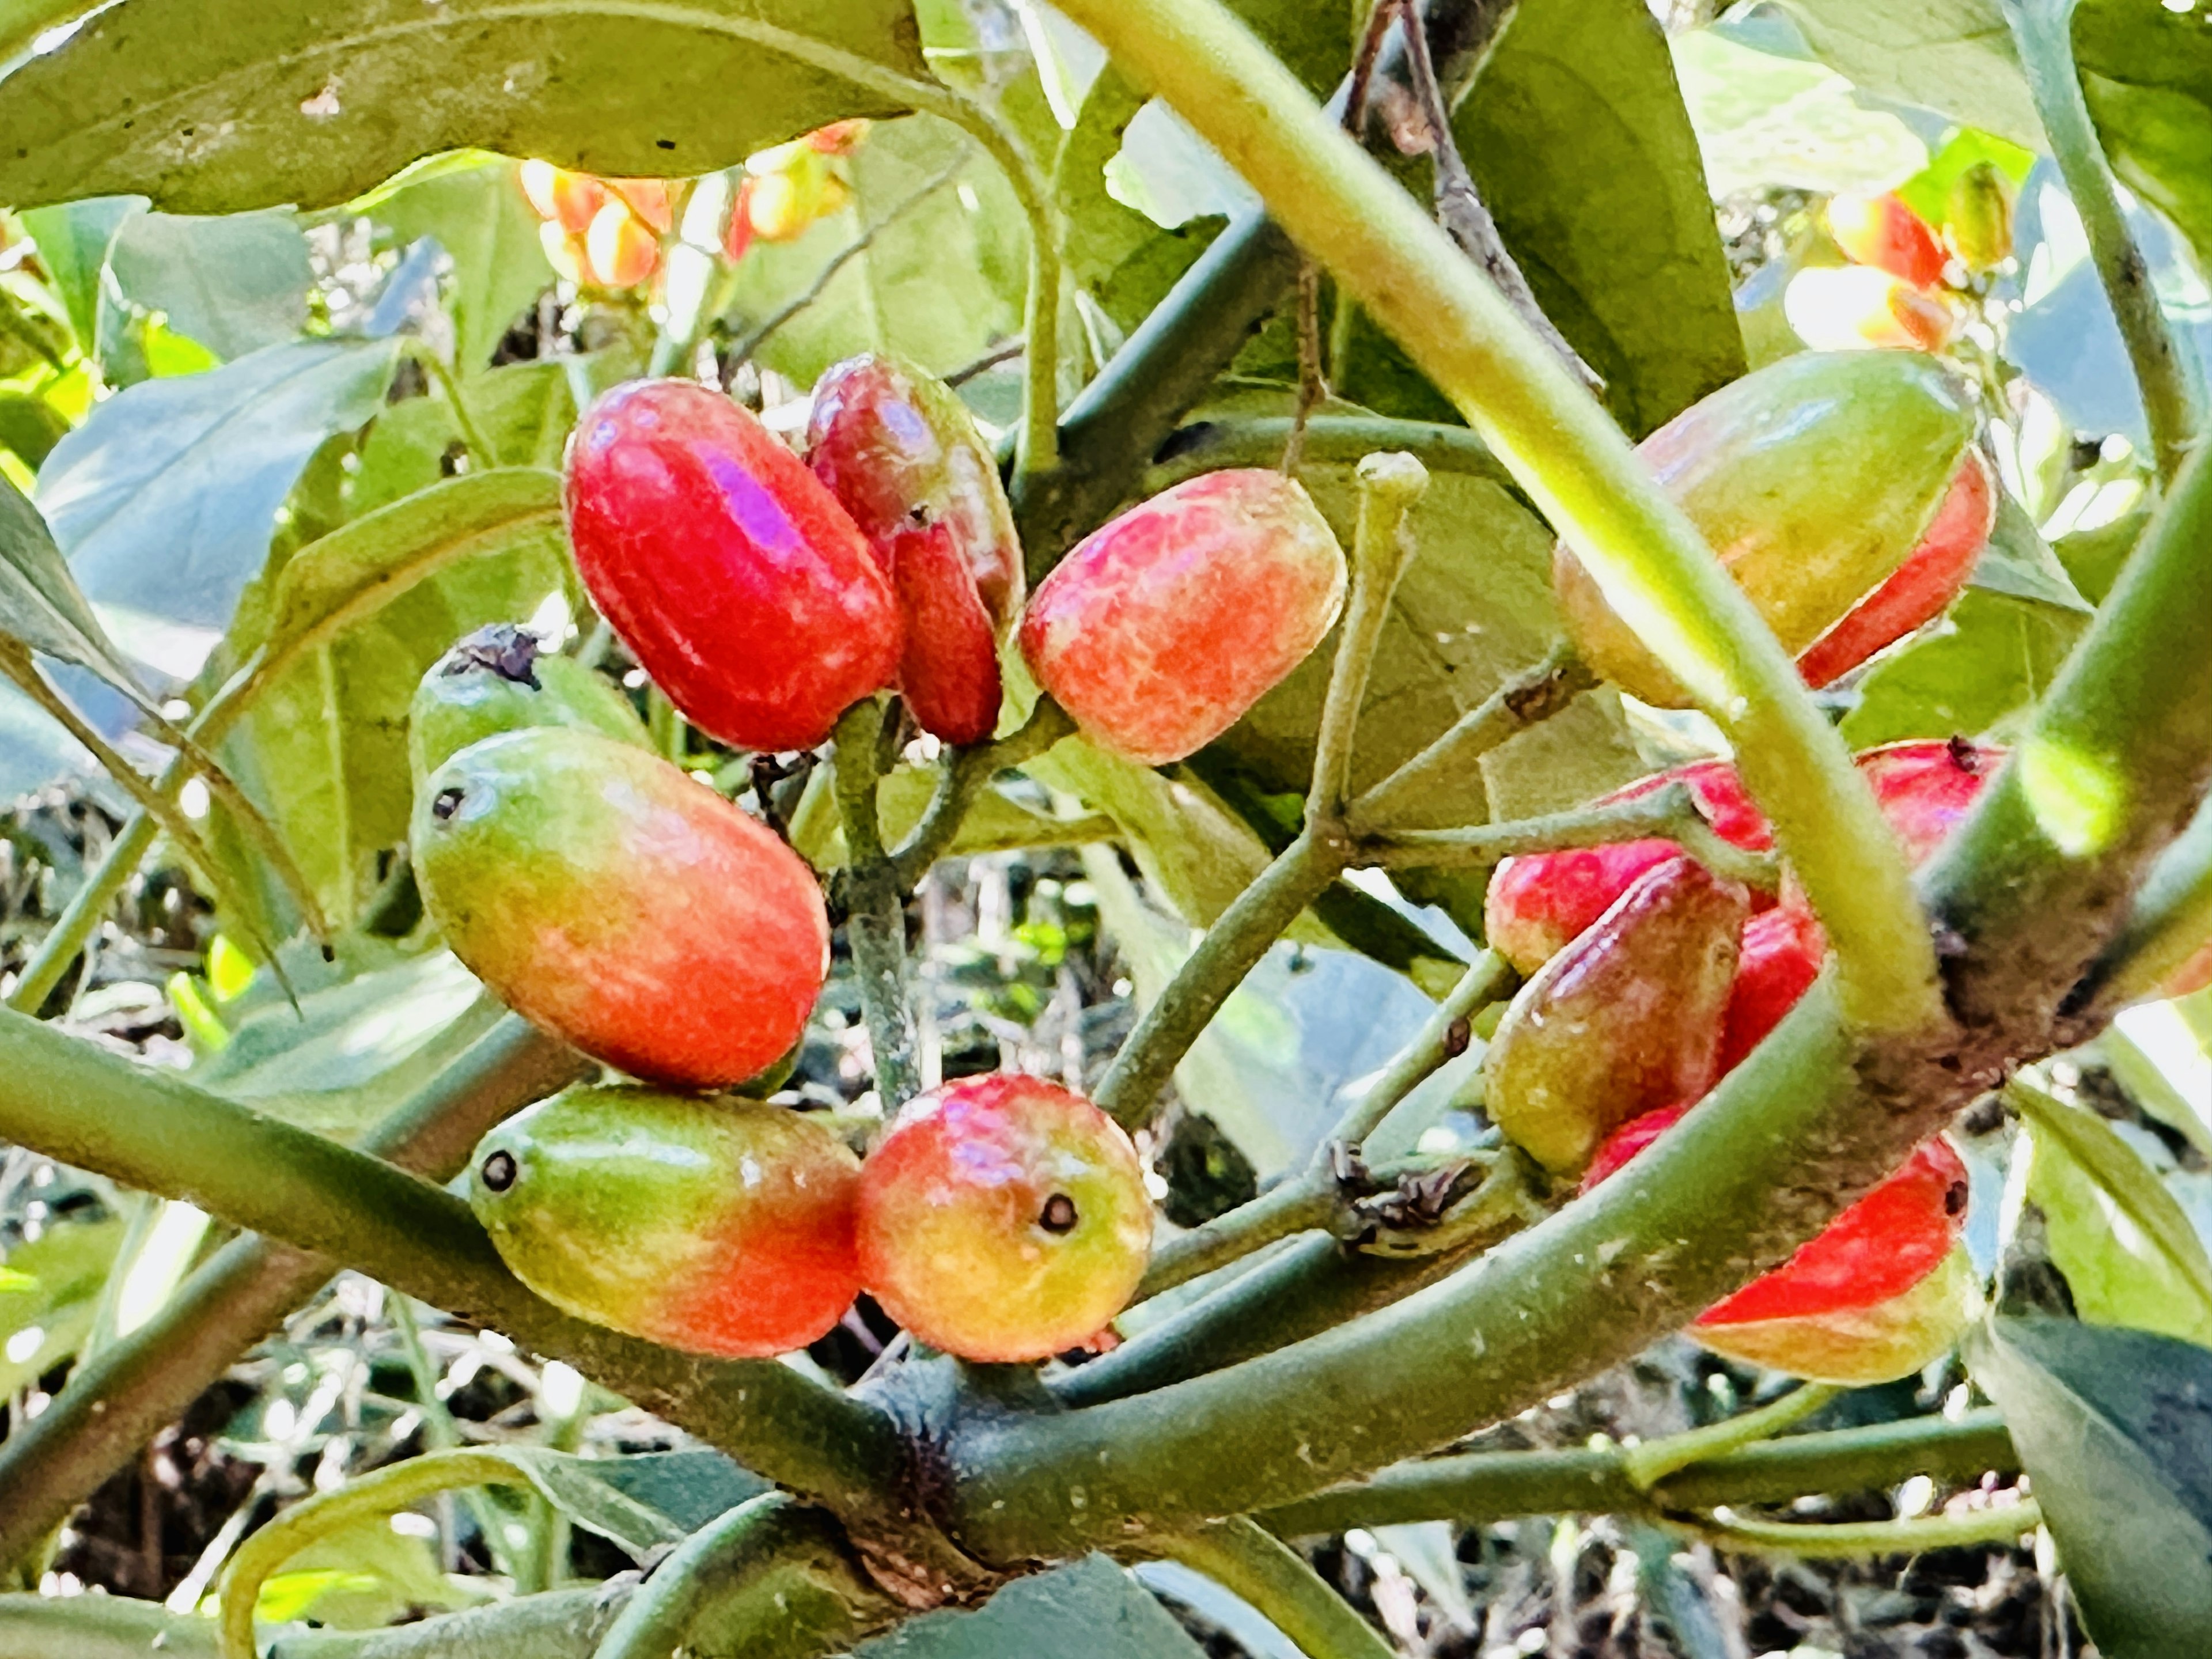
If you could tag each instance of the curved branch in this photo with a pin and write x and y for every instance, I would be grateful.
(1252, 1564)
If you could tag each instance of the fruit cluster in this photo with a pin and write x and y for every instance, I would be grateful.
(1651, 978)
(610, 897)
(1901, 286)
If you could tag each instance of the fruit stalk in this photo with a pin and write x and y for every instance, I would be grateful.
(1575, 464)
(1383, 546)
(1250, 1562)
(875, 910)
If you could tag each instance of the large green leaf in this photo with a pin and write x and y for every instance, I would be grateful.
(524, 411)
(1091, 1607)
(164, 499)
(1766, 120)
(214, 105)
(480, 217)
(2114, 1428)
(73, 243)
(51, 1285)
(235, 283)
(40, 603)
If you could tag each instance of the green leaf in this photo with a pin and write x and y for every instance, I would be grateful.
(31, 426)
(164, 498)
(216, 105)
(2019, 561)
(1091, 1607)
(2130, 1253)
(235, 283)
(995, 822)
(1764, 120)
(52, 1286)
(73, 242)
(2115, 1429)
(524, 410)
(690, 1488)
(2146, 77)
(1955, 56)
(480, 217)
(1991, 658)
(938, 282)
(362, 1577)
(40, 604)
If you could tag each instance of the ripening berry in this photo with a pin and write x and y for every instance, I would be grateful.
(619, 250)
(1882, 232)
(500, 679)
(1538, 902)
(1816, 480)
(1925, 787)
(1858, 308)
(1003, 1218)
(745, 590)
(1625, 1021)
(605, 896)
(901, 453)
(562, 198)
(1160, 629)
(715, 1226)
(1778, 960)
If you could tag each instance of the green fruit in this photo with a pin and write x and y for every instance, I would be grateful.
(1858, 1346)
(605, 895)
(715, 1226)
(1625, 1020)
(499, 680)
(1813, 479)
(1978, 217)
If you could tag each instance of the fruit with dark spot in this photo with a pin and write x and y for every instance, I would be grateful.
(1623, 1021)
(715, 1226)
(1164, 626)
(899, 451)
(1002, 1217)
(500, 679)
(743, 588)
(604, 894)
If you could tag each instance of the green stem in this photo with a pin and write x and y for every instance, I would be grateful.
(365, 1497)
(1382, 547)
(1443, 1037)
(1485, 1486)
(966, 773)
(440, 1432)
(1130, 1092)
(480, 447)
(875, 909)
(1655, 568)
(2119, 1172)
(1528, 699)
(1244, 1558)
(2169, 921)
(769, 1578)
(1296, 1205)
(2004, 1524)
(1647, 1465)
(72, 1101)
(116, 1401)
(1671, 813)
(2042, 32)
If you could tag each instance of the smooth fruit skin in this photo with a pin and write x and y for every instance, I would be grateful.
(1779, 959)
(716, 1226)
(1882, 232)
(745, 590)
(499, 679)
(1003, 1218)
(1925, 787)
(603, 894)
(901, 453)
(1625, 1021)
(1814, 479)
(1856, 1347)
(1164, 626)
(1919, 590)
(1538, 902)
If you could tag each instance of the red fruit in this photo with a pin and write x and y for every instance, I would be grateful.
(1926, 787)
(736, 579)
(1003, 1218)
(901, 455)
(1778, 960)
(1879, 1248)
(562, 198)
(2193, 976)
(1539, 903)
(1882, 232)
(619, 252)
(649, 200)
(1164, 626)
(1919, 590)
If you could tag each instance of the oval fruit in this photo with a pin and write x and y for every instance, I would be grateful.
(901, 453)
(1164, 626)
(1858, 1346)
(499, 679)
(1625, 1021)
(745, 590)
(1815, 480)
(1003, 1218)
(1882, 232)
(719, 1227)
(603, 894)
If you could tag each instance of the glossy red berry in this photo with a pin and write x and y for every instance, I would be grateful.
(1926, 787)
(1003, 1218)
(604, 894)
(899, 451)
(715, 1226)
(738, 582)
(1163, 626)
(1539, 903)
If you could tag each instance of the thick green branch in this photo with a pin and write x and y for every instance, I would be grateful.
(73, 1103)
(1482, 1486)
(2042, 31)
(115, 1401)
(1656, 570)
